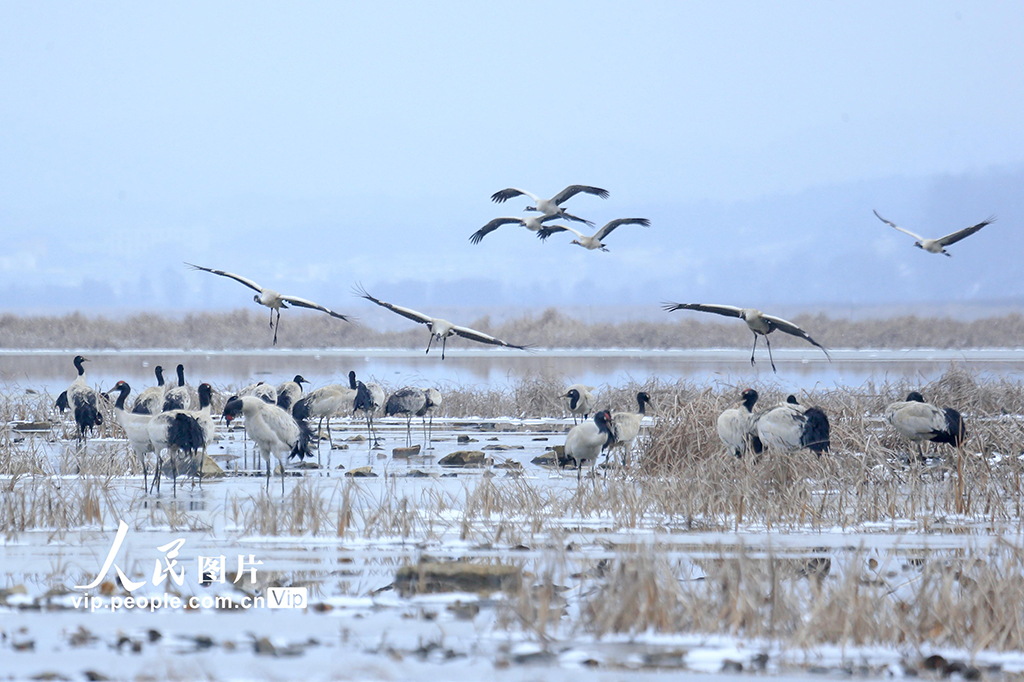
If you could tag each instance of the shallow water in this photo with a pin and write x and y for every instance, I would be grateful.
(797, 368)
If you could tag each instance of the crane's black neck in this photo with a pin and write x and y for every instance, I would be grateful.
(181, 375)
(78, 365)
(205, 394)
(352, 381)
(159, 375)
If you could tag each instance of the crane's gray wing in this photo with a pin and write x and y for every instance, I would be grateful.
(305, 303)
(474, 335)
(492, 226)
(549, 230)
(790, 328)
(727, 310)
(897, 227)
(404, 312)
(238, 278)
(573, 190)
(506, 194)
(570, 216)
(607, 229)
(966, 232)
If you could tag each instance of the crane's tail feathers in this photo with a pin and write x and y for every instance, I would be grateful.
(301, 449)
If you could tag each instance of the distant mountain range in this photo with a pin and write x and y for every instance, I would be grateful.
(821, 249)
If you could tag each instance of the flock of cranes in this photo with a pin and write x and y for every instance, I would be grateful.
(178, 419)
(790, 426)
(275, 417)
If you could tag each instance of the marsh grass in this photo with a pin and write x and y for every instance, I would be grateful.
(246, 329)
(967, 599)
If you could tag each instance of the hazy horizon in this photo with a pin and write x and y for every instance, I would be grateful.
(313, 146)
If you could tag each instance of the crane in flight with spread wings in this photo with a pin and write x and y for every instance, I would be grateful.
(439, 329)
(551, 206)
(939, 245)
(595, 241)
(757, 322)
(273, 299)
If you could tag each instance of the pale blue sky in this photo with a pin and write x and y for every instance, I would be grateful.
(311, 145)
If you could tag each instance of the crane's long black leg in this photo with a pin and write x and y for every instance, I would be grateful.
(444, 344)
(276, 326)
(429, 341)
(319, 430)
(753, 349)
(768, 343)
(156, 477)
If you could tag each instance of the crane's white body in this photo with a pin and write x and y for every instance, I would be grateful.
(579, 400)
(626, 426)
(274, 430)
(585, 441)
(736, 426)
(151, 400)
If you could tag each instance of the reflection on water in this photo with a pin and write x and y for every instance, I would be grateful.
(53, 371)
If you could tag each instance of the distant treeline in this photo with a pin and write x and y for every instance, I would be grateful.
(247, 330)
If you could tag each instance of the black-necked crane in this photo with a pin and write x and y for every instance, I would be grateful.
(369, 398)
(204, 415)
(151, 400)
(550, 206)
(439, 329)
(179, 397)
(737, 426)
(290, 391)
(433, 400)
(272, 299)
(178, 432)
(81, 399)
(579, 400)
(585, 441)
(276, 432)
(406, 401)
(261, 390)
(918, 421)
(791, 426)
(626, 426)
(267, 394)
(136, 429)
(757, 322)
(324, 403)
(594, 241)
(531, 223)
(939, 245)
